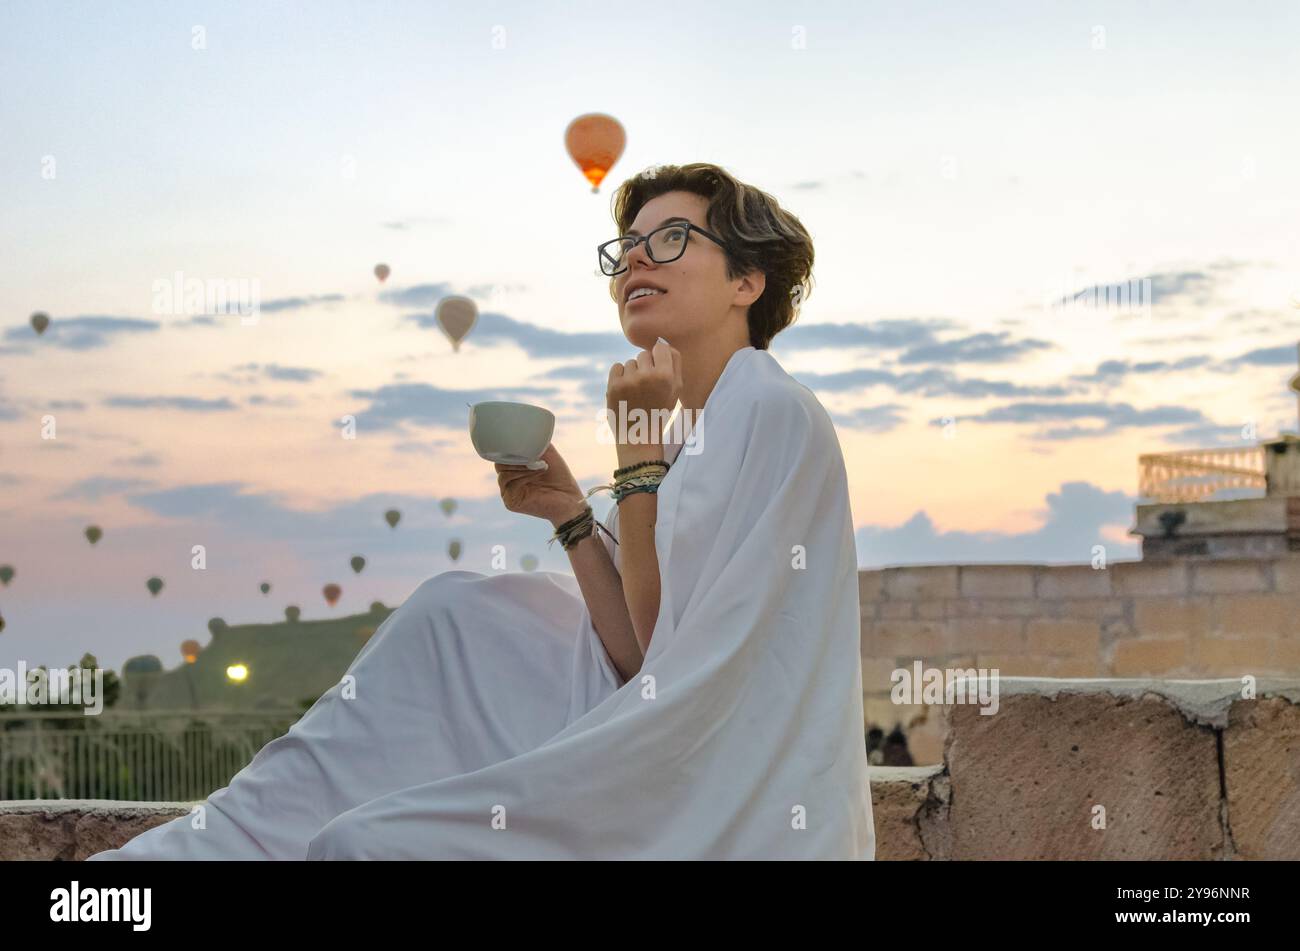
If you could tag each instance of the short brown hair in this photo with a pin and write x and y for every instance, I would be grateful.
(759, 234)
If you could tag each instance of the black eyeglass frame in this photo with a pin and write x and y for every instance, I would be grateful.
(689, 226)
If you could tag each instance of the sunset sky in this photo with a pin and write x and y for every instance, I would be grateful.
(961, 167)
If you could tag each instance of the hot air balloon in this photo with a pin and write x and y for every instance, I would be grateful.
(392, 517)
(292, 613)
(595, 141)
(454, 549)
(382, 272)
(6, 574)
(154, 585)
(376, 607)
(358, 563)
(94, 533)
(216, 625)
(456, 316)
(528, 562)
(265, 587)
(143, 664)
(332, 592)
(190, 651)
(448, 507)
(40, 321)
(2, 623)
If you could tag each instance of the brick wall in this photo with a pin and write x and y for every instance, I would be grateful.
(1192, 620)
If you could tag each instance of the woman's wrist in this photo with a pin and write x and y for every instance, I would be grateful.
(631, 453)
(570, 512)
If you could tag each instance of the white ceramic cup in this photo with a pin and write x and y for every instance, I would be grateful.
(514, 434)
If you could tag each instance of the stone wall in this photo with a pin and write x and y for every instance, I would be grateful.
(1065, 769)
(1190, 620)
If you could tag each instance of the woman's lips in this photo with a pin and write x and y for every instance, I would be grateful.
(646, 297)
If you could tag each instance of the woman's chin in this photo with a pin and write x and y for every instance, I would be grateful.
(643, 332)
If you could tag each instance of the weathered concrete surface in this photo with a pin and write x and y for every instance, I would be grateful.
(1261, 757)
(74, 829)
(1180, 769)
(904, 803)
(1125, 769)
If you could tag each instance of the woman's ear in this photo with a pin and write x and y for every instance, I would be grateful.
(751, 287)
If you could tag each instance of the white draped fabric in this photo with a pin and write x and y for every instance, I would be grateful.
(488, 721)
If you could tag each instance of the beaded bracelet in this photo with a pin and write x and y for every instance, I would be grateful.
(647, 464)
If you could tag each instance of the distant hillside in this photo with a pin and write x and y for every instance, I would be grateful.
(287, 662)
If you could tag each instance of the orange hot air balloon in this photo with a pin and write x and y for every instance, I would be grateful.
(456, 316)
(190, 651)
(595, 141)
(332, 592)
(382, 272)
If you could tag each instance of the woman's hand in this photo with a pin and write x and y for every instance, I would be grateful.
(550, 493)
(652, 384)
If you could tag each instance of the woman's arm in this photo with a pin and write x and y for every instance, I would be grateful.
(637, 515)
(603, 590)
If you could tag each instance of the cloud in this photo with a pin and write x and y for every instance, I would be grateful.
(891, 334)
(96, 487)
(1195, 286)
(540, 342)
(1114, 371)
(487, 290)
(65, 404)
(933, 382)
(259, 399)
(1114, 415)
(271, 371)
(1073, 521)
(193, 404)
(8, 478)
(418, 295)
(144, 459)
(876, 419)
(420, 404)
(280, 304)
(81, 333)
(976, 348)
(1279, 356)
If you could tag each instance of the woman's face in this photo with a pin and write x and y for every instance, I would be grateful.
(697, 294)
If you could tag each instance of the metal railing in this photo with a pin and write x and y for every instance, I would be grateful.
(144, 757)
(1195, 475)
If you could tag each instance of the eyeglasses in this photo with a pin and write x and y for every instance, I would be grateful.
(664, 245)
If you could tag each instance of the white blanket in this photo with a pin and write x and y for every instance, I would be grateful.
(488, 721)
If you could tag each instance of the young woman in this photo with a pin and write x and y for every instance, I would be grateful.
(693, 690)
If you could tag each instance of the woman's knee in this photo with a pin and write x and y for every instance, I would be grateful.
(436, 592)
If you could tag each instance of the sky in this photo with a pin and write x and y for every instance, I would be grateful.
(963, 169)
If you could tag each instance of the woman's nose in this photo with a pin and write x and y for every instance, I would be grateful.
(642, 256)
